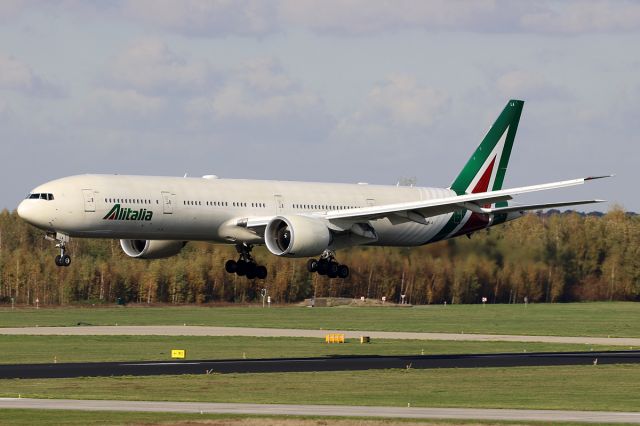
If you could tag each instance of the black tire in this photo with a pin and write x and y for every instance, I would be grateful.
(58, 260)
(312, 265)
(343, 271)
(65, 260)
(332, 270)
(261, 272)
(241, 268)
(251, 270)
(230, 266)
(323, 267)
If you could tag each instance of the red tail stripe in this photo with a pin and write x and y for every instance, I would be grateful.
(483, 183)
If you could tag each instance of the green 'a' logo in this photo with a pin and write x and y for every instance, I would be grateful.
(125, 213)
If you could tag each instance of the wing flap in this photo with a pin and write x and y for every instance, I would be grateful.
(527, 207)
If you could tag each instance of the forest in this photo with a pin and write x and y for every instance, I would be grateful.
(538, 258)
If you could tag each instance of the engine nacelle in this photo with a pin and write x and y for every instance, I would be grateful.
(151, 249)
(296, 236)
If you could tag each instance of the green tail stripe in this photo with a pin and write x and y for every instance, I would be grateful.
(451, 224)
(509, 117)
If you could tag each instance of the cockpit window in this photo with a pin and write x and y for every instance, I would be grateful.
(40, 196)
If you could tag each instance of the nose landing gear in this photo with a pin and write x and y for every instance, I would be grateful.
(61, 241)
(328, 266)
(245, 265)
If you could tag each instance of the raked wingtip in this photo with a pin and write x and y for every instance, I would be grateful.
(598, 177)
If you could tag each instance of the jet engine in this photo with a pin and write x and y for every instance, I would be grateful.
(151, 249)
(297, 236)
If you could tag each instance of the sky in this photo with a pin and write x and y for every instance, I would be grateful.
(326, 90)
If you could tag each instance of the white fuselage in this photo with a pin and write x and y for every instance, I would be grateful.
(209, 209)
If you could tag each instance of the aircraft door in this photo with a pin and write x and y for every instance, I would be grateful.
(279, 204)
(167, 202)
(89, 200)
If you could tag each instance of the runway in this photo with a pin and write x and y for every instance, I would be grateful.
(337, 363)
(187, 330)
(324, 410)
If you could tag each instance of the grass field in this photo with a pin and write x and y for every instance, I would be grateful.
(44, 349)
(615, 319)
(81, 418)
(603, 387)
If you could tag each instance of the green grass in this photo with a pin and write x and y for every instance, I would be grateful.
(20, 417)
(45, 349)
(615, 319)
(603, 387)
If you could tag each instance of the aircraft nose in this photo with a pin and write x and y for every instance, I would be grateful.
(29, 213)
(23, 210)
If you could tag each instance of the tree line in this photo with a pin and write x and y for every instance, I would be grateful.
(543, 258)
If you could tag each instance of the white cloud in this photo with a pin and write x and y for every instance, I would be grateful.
(259, 105)
(4, 110)
(363, 16)
(149, 65)
(258, 90)
(9, 9)
(530, 85)
(236, 101)
(126, 102)
(266, 75)
(579, 17)
(17, 76)
(360, 17)
(401, 101)
(205, 18)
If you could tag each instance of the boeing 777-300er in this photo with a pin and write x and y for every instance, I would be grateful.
(154, 217)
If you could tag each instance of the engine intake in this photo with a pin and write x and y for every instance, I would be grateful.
(296, 236)
(151, 249)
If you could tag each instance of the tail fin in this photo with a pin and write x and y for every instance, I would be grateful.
(487, 166)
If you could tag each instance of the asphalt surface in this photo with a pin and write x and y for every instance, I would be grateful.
(187, 330)
(337, 363)
(324, 410)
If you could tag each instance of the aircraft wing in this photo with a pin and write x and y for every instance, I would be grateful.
(418, 211)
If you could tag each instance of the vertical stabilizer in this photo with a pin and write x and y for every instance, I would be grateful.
(487, 166)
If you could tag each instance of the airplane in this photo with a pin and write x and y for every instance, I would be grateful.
(154, 217)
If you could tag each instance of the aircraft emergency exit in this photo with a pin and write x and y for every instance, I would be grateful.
(154, 217)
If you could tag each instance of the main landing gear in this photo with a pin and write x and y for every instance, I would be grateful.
(328, 266)
(61, 241)
(245, 266)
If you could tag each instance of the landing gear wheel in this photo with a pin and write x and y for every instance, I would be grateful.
(251, 270)
(245, 265)
(231, 266)
(241, 268)
(328, 266)
(312, 265)
(61, 241)
(323, 267)
(343, 271)
(332, 270)
(261, 272)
